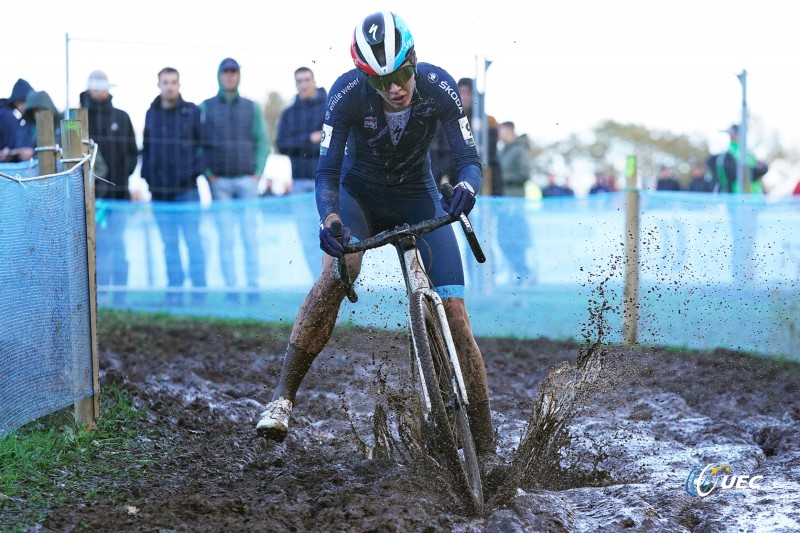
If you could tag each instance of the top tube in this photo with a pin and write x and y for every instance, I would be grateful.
(389, 236)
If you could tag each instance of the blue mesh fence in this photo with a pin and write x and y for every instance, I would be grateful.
(45, 349)
(716, 271)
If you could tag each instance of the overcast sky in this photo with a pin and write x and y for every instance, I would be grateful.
(559, 66)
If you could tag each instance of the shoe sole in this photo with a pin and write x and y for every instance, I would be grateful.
(271, 433)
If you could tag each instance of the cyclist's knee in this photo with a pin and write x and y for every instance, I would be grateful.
(457, 316)
(353, 267)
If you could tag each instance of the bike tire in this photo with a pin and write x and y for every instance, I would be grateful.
(451, 430)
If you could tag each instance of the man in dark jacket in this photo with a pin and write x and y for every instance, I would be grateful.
(666, 180)
(236, 144)
(300, 130)
(11, 111)
(112, 130)
(171, 162)
(299, 135)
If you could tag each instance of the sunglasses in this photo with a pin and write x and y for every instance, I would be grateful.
(399, 76)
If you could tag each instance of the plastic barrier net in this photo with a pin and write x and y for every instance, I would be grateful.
(715, 271)
(45, 349)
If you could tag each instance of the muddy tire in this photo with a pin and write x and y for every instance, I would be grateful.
(448, 416)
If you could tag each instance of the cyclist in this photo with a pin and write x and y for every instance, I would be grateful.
(380, 119)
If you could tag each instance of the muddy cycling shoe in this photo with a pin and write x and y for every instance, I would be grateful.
(274, 422)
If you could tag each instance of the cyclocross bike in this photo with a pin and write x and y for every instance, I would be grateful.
(442, 390)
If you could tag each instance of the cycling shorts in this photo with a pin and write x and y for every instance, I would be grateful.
(368, 210)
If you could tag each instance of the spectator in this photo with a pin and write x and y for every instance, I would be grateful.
(514, 237)
(300, 130)
(743, 222)
(299, 135)
(700, 180)
(11, 112)
(600, 183)
(666, 180)
(723, 167)
(441, 159)
(553, 189)
(112, 130)
(568, 191)
(36, 101)
(235, 137)
(515, 161)
(171, 162)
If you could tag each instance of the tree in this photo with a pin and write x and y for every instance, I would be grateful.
(610, 142)
(272, 114)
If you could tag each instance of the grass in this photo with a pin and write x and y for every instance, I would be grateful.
(49, 462)
(156, 333)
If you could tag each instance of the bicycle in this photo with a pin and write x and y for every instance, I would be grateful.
(442, 388)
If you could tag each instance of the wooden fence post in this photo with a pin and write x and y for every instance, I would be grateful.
(45, 136)
(73, 133)
(631, 302)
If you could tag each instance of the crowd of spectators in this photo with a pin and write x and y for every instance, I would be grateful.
(224, 141)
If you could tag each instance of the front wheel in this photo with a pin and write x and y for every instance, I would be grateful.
(447, 407)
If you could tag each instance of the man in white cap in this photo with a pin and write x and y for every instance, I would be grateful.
(112, 130)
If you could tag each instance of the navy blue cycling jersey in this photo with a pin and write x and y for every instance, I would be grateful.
(374, 185)
(356, 144)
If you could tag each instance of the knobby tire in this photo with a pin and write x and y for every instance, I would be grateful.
(451, 430)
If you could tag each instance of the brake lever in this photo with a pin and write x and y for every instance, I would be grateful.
(340, 271)
(469, 232)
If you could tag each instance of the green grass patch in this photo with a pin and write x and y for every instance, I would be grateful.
(52, 461)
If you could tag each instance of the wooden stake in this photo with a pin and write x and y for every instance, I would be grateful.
(45, 136)
(73, 132)
(631, 303)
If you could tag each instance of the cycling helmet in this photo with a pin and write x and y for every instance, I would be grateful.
(381, 43)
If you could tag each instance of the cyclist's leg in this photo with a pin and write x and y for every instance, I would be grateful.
(474, 371)
(316, 318)
(447, 276)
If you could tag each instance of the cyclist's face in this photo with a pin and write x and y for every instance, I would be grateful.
(398, 97)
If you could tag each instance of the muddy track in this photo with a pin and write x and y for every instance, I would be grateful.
(632, 441)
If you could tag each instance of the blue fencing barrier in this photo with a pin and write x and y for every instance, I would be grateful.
(715, 271)
(45, 337)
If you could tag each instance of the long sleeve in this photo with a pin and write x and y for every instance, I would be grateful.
(260, 139)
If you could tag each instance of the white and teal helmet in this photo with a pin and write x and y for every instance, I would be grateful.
(381, 43)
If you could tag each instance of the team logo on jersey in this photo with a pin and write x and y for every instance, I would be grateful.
(327, 115)
(466, 131)
(325, 142)
(432, 77)
(371, 123)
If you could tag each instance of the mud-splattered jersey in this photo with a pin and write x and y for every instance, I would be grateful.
(357, 147)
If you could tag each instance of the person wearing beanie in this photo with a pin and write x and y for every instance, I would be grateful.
(236, 149)
(37, 101)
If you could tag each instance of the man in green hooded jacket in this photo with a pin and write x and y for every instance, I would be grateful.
(236, 148)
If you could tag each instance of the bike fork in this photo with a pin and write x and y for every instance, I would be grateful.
(451, 348)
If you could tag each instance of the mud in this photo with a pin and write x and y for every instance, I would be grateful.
(618, 462)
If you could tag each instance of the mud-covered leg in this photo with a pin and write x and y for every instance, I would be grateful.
(313, 326)
(311, 331)
(474, 371)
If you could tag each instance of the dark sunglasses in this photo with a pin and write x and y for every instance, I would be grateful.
(399, 76)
